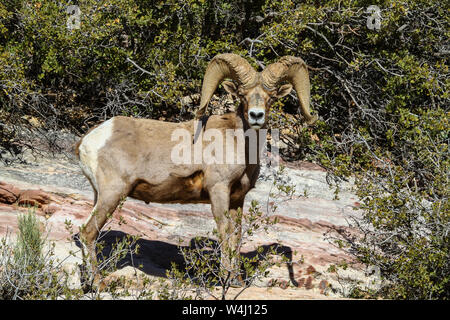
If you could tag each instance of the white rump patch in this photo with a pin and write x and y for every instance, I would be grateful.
(90, 146)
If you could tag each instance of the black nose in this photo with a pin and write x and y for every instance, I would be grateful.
(257, 114)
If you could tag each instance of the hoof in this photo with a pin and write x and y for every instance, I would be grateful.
(94, 286)
(89, 284)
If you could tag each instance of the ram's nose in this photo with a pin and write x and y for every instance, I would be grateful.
(256, 117)
(256, 114)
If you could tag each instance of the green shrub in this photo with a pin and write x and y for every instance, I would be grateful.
(30, 241)
(206, 273)
(27, 271)
(30, 270)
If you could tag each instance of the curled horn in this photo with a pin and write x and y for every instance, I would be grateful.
(294, 71)
(226, 65)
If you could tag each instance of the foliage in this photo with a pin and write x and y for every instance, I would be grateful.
(30, 270)
(30, 241)
(406, 214)
(27, 271)
(207, 272)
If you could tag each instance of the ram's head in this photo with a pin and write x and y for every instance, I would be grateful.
(257, 90)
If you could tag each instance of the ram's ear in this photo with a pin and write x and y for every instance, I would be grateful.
(284, 90)
(230, 87)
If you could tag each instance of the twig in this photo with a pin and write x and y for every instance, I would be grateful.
(140, 68)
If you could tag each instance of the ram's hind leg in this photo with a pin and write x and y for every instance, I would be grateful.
(107, 200)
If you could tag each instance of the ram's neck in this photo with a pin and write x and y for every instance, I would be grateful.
(240, 117)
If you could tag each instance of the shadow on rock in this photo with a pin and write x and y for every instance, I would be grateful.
(155, 257)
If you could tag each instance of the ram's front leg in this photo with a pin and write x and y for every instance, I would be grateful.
(220, 202)
(235, 214)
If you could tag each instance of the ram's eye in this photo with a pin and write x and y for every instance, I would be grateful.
(241, 95)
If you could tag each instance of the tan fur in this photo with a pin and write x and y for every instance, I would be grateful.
(136, 162)
(132, 157)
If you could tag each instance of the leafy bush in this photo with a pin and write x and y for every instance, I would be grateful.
(30, 241)
(406, 214)
(206, 272)
(27, 271)
(29, 268)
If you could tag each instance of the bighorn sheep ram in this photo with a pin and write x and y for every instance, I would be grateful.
(132, 157)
